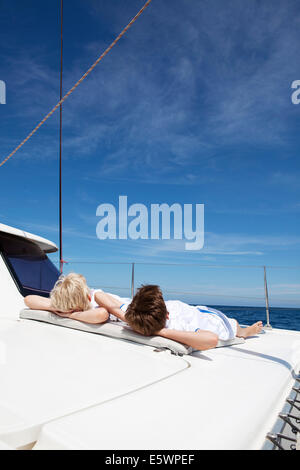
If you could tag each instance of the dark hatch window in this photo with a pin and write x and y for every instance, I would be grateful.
(30, 266)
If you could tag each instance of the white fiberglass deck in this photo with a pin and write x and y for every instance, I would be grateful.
(228, 399)
(134, 398)
(48, 372)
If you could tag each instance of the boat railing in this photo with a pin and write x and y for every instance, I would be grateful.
(132, 278)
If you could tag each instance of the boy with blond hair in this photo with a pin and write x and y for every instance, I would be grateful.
(71, 297)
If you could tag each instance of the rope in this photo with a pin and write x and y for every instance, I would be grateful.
(77, 83)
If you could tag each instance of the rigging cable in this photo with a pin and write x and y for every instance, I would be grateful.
(60, 137)
(77, 83)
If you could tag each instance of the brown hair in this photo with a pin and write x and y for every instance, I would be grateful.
(147, 313)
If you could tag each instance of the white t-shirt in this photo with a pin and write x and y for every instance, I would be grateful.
(186, 317)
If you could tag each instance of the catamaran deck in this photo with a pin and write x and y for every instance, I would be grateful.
(67, 389)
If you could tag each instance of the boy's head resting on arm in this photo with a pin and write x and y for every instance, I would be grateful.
(147, 313)
(70, 294)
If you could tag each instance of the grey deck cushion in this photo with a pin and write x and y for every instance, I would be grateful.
(115, 330)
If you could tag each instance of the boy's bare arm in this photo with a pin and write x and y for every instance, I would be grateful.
(111, 304)
(200, 340)
(37, 302)
(94, 315)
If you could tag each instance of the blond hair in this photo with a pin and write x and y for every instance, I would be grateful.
(70, 293)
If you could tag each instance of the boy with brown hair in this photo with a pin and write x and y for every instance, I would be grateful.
(199, 327)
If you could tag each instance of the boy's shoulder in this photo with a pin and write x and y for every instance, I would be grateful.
(177, 306)
(176, 302)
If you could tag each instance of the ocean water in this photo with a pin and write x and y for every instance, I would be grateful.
(286, 318)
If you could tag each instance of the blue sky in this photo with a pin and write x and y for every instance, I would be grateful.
(192, 106)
